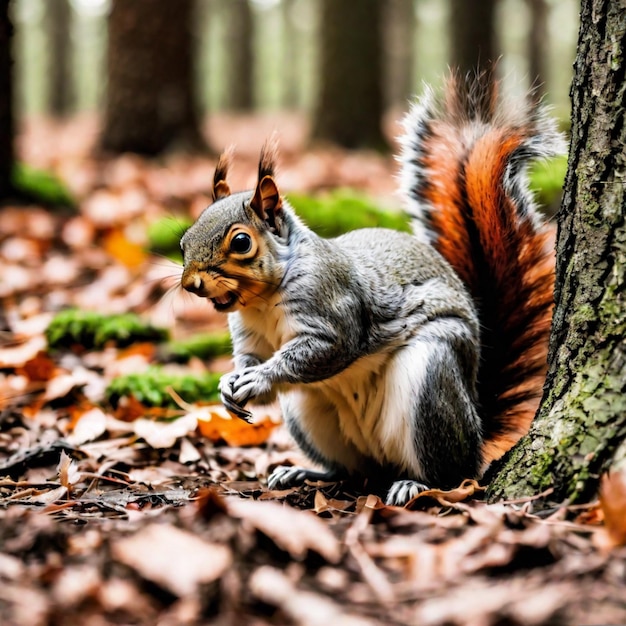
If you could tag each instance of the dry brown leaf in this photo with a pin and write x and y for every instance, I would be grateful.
(164, 434)
(41, 368)
(303, 607)
(464, 491)
(17, 356)
(68, 471)
(294, 531)
(613, 504)
(172, 558)
(87, 426)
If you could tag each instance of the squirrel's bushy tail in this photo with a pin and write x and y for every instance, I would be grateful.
(464, 163)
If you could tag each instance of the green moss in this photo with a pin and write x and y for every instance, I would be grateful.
(151, 388)
(93, 330)
(546, 180)
(205, 346)
(340, 211)
(40, 185)
(164, 236)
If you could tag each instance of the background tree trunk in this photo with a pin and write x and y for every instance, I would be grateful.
(538, 39)
(350, 102)
(150, 102)
(239, 57)
(400, 26)
(582, 419)
(6, 108)
(473, 35)
(60, 87)
(291, 96)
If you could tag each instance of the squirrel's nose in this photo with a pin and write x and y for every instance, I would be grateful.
(192, 281)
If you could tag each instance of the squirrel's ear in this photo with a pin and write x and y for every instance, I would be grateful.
(220, 186)
(266, 201)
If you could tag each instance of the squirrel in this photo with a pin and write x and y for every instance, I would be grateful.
(415, 359)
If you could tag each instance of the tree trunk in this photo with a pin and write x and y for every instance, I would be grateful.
(538, 40)
(239, 57)
(6, 108)
(60, 89)
(150, 103)
(350, 102)
(473, 35)
(291, 91)
(400, 29)
(582, 418)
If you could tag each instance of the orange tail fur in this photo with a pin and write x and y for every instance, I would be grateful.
(464, 173)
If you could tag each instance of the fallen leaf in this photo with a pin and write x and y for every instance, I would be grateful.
(88, 426)
(303, 607)
(464, 491)
(38, 369)
(17, 356)
(172, 558)
(68, 471)
(123, 250)
(216, 424)
(164, 434)
(613, 504)
(294, 531)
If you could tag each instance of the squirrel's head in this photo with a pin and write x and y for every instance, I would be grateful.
(228, 253)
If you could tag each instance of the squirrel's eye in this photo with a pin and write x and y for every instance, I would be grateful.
(241, 243)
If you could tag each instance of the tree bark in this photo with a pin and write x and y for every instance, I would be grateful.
(350, 102)
(6, 105)
(473, 35)
(151, 103)
(582, 419)
(60, 87)
(239, 57)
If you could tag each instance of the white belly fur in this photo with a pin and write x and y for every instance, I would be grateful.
(374, 404)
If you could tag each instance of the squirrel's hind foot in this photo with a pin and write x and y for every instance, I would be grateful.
(284, 477)
(401, 491)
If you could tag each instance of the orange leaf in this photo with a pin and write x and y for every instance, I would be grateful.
(123, 250)
(218, 426)
(38, 369)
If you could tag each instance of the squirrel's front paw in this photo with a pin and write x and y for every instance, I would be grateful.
(249, 383)
(226, 394)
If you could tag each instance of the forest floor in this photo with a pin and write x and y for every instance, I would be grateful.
(114, 515)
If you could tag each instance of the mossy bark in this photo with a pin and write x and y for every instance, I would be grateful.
(582, 419)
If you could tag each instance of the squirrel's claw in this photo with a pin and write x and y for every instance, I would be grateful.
(286, 476)
(401, 491)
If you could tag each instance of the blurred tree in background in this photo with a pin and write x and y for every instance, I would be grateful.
(349, 106)
(538, 44)
(239, 57)
(60, 84)
(150, 98)
(338, 66)
(399, 36)
(474, 40)
(6, 95)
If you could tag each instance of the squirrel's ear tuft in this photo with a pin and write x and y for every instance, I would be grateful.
(266, 202)
(220, 186)
(267, 161)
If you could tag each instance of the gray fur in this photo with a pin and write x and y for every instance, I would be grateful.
(369, 296)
